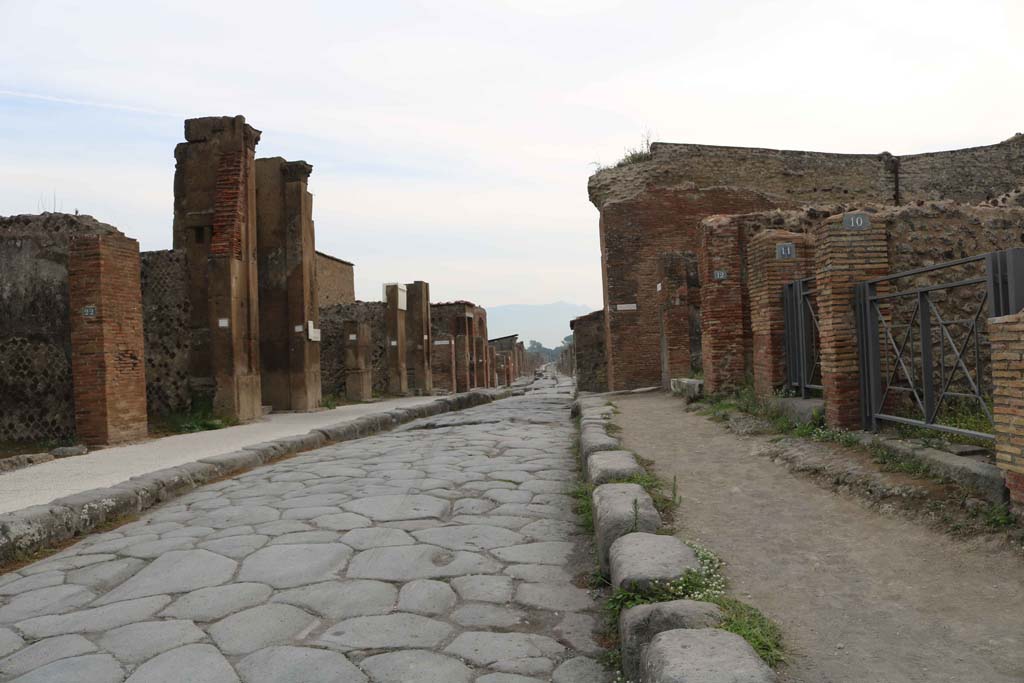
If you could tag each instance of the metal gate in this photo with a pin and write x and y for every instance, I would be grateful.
(915, 355)
(800, 337)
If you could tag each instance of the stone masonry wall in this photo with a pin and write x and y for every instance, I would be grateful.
(332, 357)
(335, 280)
(166, 310)
(36, 400)
(588, 343)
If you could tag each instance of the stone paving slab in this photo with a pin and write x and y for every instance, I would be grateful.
(444, 550)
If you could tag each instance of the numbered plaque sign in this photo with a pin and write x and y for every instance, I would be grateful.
(785, 250)
(719, 275)
(856, 221)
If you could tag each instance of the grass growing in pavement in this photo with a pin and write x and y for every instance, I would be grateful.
(707, 584)
(583, 505)
(199, 418)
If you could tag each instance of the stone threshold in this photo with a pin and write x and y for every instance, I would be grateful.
(26, 532)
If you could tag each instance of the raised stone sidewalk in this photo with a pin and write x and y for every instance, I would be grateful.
(441, 551)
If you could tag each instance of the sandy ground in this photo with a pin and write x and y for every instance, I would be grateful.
(861, 597)
(42, 483)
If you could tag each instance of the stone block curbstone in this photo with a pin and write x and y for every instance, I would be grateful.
(608, 466)
(615, 516)
(594, 438)
(236, 461)
(705, 655)
(639, 559)
(984, 478)
(638, 625)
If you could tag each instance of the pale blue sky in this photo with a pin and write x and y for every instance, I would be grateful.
(452, 141)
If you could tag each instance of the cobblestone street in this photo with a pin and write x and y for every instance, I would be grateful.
(444, 551)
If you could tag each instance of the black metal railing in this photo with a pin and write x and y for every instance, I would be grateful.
(800, 337)
(915, 357)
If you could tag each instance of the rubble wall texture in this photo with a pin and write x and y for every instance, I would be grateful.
(166, 311)
(588, 342)
(36, 394)
(332, 344)
(654, 207)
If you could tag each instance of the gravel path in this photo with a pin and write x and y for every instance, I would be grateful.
(861, 597)
(442, 552)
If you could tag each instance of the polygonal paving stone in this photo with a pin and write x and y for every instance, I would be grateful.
(65, 563)
(476, 615)
(405, 563)
(507, 678)
(484, 588)
(469, 537)
(138, 642)
(91, 668)
(472, 506)
(342, 521)
(485, 648)
(554, 596)
(178, 571)
(287, 664)
(192, 663)
(31, 583)
(259, 627)
(416, 665)
(43, 652)
(581, 670)
(391, 508)
(236, 515)
(542, 552)
(236, 547)
(376, 537)
(94, 619)
(106, 575)
(578, 631)
(426, 597)
(52, 600)
(208, 604)
(398, 630)
(306, 537)
(526, 666)
(308, 513)
(342, 600)
(112, 545)
(287, 566)
(9, 642)
(509, 495)
(505, 521)
(151, 549)
(550, 530)
(538, 573)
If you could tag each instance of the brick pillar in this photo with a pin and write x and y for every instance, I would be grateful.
(395, 299)
(774, 258)
(1006, 334)
(442, 361)
(358, 374)
(215, 222)
(417, 337)
(673, 316)
(107, 344)
(723, 346)
(288, 301)
(463, 363)
(842, 258)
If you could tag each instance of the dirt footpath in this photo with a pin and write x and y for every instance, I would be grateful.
(861, 597)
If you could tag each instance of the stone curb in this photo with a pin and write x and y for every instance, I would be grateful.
(29, 530)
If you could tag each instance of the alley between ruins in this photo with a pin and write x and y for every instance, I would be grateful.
(861, 597)
(443, 551)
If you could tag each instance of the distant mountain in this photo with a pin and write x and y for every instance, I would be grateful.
(547, 323)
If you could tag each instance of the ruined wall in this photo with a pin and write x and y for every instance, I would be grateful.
(166, 310)
(335, 280)
(654, 207)
(332, 345)
(589, 351)
(36, 395)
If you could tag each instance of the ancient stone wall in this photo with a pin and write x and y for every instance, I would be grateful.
(36, 395)
(166, 309)
(335, 280)
(654, 207)
(589, 352)
(332, 344)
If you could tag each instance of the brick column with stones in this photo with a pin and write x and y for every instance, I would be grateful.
(442, 362)
(417, 337)
(1006, 335)
(842, 258)
(358, 374)
(774, 258)
(395, 299)
(723, 347)
(674, 316)
(463, 363)
(107, 343)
